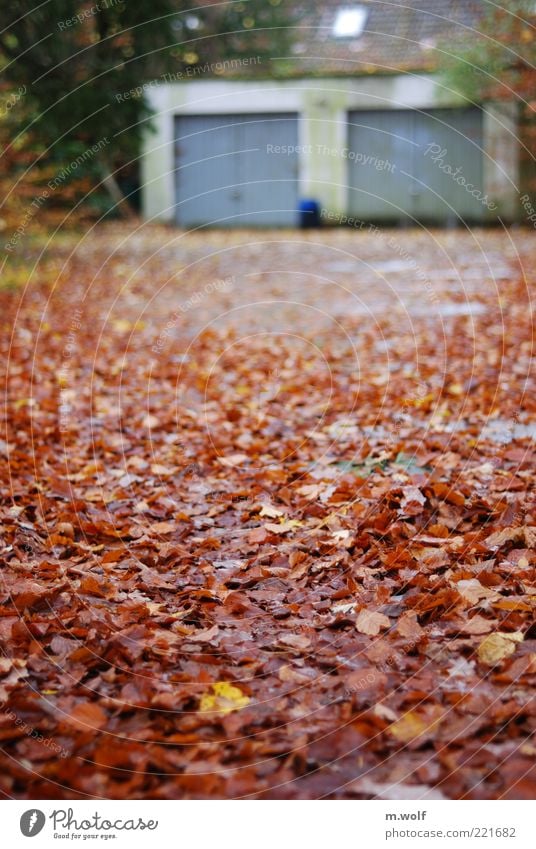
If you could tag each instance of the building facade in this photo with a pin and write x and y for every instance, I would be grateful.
(377, 137)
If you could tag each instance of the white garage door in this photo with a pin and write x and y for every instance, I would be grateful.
(236, 170)
(406, 163)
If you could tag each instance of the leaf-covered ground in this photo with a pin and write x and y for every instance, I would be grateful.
(268, 518)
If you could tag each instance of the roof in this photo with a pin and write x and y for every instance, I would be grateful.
(397, 36)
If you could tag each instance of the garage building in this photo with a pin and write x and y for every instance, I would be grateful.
(386, 145)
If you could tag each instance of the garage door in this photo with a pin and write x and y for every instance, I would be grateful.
(236, 170)
(405, 164)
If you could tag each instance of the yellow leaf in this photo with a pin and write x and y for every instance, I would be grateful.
(411, 725)
(225, 698)
(421, 402)
(511, 604)
(498, 646)
(455, 389)
(408, 727)
(122, 325)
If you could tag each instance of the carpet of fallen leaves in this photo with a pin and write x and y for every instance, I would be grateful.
(267, 521)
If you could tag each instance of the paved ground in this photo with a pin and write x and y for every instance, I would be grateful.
(268, 517)
(372, 293)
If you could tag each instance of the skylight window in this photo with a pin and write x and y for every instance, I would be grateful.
(350, 22)
(193, 22)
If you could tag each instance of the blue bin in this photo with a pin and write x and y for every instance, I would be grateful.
(309, 213)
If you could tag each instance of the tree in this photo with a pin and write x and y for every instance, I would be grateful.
(499, 63)
(72, 59)
(260, 30)
(84, 67)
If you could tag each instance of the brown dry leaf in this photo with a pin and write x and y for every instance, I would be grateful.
(497, 646)
(162, 527)
(397, 790)
(270, 511)
(512, 603)
(366, 679)
(311, 491)
(150, 421)
(295, 641)
(476, 625)
(258, 535)
(473, 591)
(92, 586)
(452, 496)
(283, 527)
(87, 716)
(290, 675)
(233, 460)
(412, 495)
(497, 539)
(385, 712)
(208, 635)
(161, 470)
(5, 665)
(371, 622)
(530, 536)
(407, 626)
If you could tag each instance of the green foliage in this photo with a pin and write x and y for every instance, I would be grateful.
(498, 60)
(499, 63)
(73, 58)
(253, 29)
(83, 67)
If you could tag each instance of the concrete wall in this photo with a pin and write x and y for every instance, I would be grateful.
(323, 105)
(501, 158)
